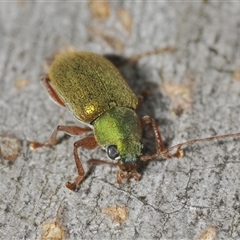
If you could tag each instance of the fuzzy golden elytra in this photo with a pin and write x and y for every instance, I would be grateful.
(94, 91)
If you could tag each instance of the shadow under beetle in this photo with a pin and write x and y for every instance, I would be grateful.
(94, 91)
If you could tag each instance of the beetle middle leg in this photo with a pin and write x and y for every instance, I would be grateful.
(88, 143)
(161, 151)
(71, 130)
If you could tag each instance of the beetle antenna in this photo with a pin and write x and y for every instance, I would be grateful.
(193, 141)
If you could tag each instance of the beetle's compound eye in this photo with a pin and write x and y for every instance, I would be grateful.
(112, 151)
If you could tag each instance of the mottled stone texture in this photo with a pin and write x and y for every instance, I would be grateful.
(193, 92)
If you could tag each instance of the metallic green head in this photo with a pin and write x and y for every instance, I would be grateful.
(119, 131)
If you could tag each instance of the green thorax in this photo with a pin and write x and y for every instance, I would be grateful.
(121, 127)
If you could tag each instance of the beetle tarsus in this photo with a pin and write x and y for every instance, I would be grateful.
(71, 186)
(128, 174)
(136, 176)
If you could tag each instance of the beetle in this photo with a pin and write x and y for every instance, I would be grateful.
(94, 91)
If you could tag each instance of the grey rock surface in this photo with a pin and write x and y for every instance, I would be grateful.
(193, 92)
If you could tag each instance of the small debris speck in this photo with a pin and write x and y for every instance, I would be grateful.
(117, 213)
(126, 19)
(52, 231)
(209, 233)
(99, 9)
(10, 147)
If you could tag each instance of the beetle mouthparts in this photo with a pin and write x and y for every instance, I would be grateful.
(130, 160)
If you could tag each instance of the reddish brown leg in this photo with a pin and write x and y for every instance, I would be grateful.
(160, 148)
(52, 93)
(88, 143)
(71, 130)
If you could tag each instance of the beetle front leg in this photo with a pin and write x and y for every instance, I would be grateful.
(159, 143)
(88, 143)
(71, 130)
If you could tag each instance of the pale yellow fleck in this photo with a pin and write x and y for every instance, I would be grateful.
(179, 95)
(114, 42)
(21, 83)
(10, 147)
(99, 9)
(117, 213)
(52, 231)
(209, 233)
(126, 19)
(236, 75)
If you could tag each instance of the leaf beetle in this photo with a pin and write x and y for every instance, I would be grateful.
(94, 91)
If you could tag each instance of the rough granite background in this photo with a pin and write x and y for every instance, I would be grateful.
(192, 92)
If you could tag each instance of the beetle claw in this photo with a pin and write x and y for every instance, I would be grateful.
(71, 186)
(137, 176)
